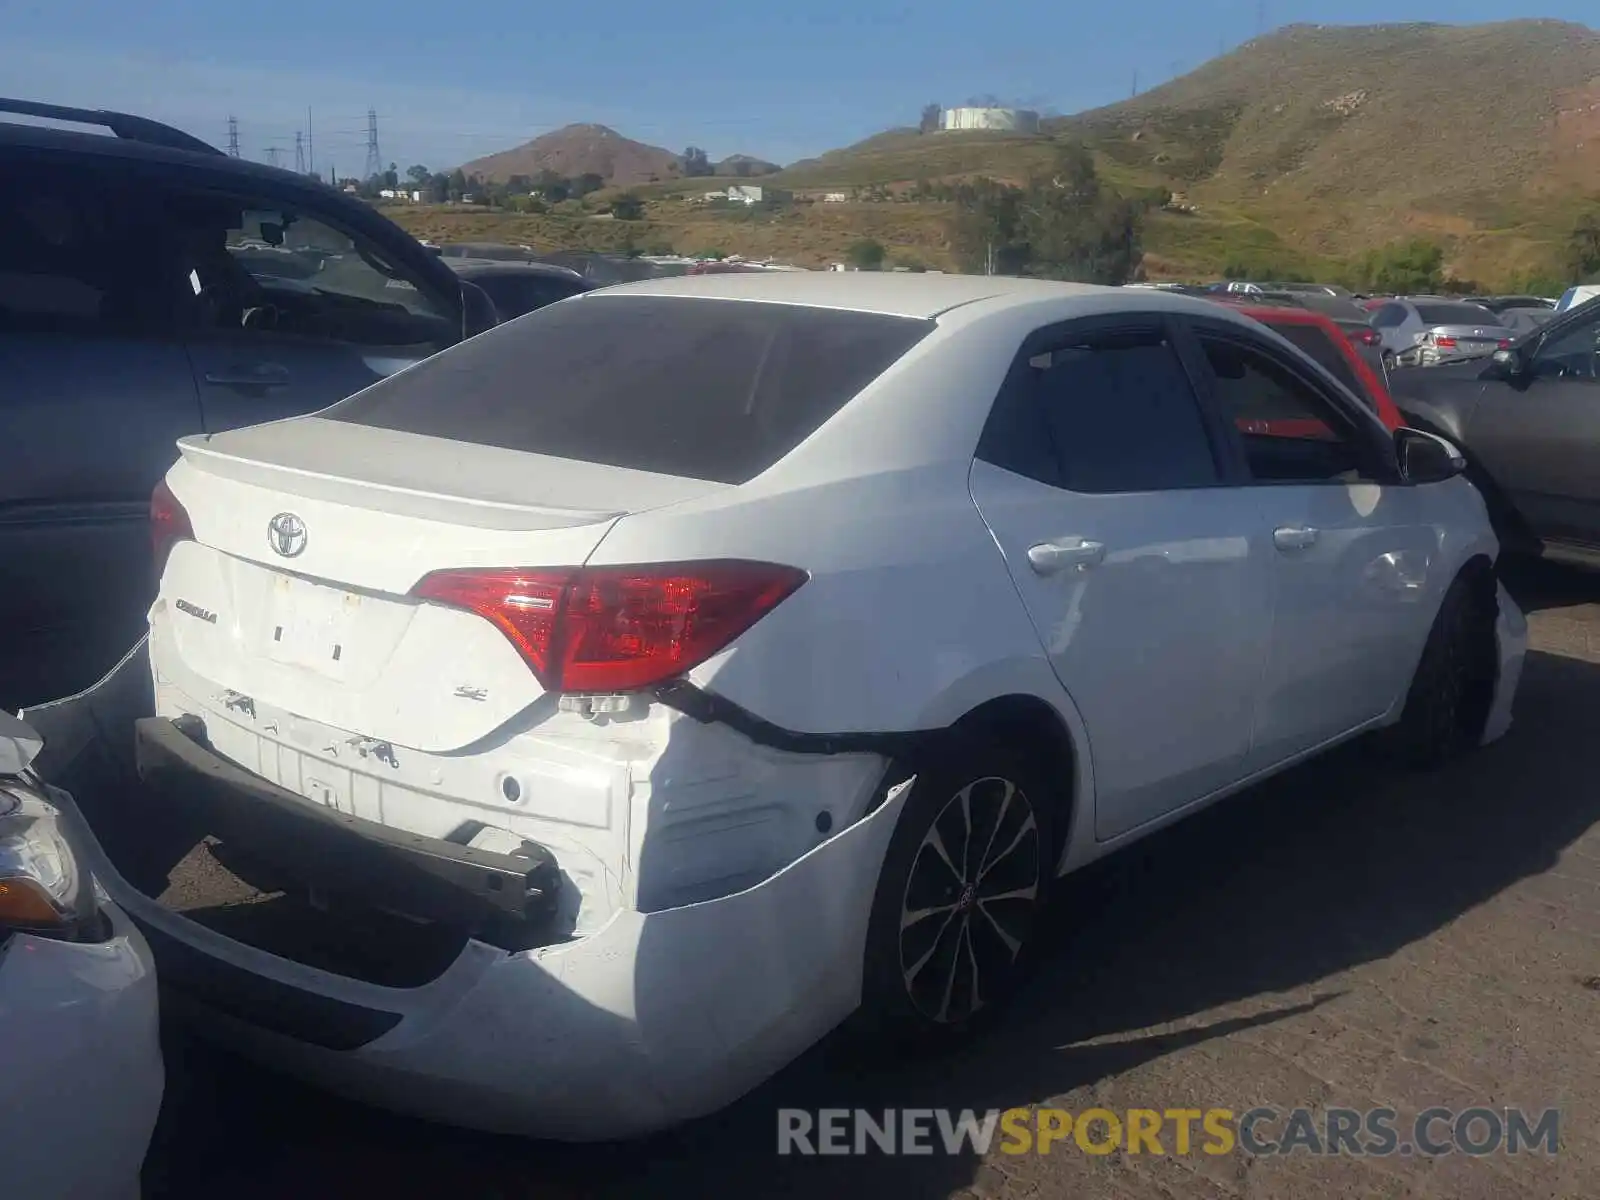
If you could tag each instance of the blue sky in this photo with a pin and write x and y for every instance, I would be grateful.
(452, 81)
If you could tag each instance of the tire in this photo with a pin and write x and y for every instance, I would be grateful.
(1388, 360)
(1452, 691)
(980, 899)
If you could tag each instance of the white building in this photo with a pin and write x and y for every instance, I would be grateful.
(745, 193)
(834, 198)
(1007, 120)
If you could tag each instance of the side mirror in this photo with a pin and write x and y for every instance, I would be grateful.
(478, 313)
(1508, 364)
(1424, 458)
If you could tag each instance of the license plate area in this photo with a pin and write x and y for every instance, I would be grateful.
(309, 625)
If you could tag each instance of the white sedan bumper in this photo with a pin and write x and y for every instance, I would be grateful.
(80, 1064)
(1511, 631)
(654, 1019)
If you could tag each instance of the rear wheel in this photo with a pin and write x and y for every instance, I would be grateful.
(1452, 692)
(963, 882)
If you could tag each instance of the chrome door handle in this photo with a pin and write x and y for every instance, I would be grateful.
(1294, 537)
(1049, 557)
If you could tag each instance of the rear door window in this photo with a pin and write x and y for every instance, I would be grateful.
(706, 389)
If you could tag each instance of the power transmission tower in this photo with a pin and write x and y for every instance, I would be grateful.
(299, 152)
(233, 137)
(311, 148)
(374, 155)
(272, 156)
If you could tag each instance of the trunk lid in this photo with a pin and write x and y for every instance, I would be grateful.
(308, 536)
(1471, 339)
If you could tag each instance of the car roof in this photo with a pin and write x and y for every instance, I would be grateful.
(901, 294)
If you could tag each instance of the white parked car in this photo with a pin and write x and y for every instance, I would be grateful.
(80, 1060)
(698, 662)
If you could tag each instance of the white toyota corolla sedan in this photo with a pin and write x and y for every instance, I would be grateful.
(563, 734)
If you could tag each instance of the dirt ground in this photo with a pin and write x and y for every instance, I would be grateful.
(1342, 936)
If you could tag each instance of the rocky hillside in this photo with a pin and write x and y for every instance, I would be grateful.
(575, 150)
(1432, 116)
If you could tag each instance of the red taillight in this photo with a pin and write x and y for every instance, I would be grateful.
(1503, 344)
(617, 629)
(1369, 337)
(1447, 343)
(169, 524)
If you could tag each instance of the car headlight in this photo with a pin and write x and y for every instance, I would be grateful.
(44, 888)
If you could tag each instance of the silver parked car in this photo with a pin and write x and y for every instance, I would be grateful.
(1436, 330)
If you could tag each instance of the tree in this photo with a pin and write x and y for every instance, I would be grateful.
(867, 255)
(627, 207)
(588, 182)
(552, 187)
(457, 185)
(418, 175)
(931, 114)
(1583, 248)
(986, 231)
(391, 178)
(1063, 225)
(696, 164)
(519, 183)
(1413, 266)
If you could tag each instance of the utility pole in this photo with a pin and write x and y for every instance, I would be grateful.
(374, 156)
(233, 137)
(299, 152)
(1135, 90)
(311, 149)
(1261, 17)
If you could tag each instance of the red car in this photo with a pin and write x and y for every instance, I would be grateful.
(1330, 347)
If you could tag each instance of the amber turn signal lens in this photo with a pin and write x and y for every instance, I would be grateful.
(26, 905)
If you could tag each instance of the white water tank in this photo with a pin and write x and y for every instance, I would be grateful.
(1006, 120)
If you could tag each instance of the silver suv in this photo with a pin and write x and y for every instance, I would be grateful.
(152, 287)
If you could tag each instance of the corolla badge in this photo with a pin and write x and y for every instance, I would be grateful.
(287, 534)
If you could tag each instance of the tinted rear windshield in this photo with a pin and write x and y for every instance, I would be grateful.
(707, 389)
(1456, 314)
(1316, 343)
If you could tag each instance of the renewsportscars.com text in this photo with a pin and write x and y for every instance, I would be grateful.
(1373, 1132)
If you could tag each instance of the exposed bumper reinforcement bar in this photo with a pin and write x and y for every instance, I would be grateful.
(323, 848)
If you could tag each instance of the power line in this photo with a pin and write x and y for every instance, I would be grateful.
(233, 137)
(374, 155)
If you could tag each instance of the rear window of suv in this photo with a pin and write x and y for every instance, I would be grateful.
(702, 388)
(1319, 347)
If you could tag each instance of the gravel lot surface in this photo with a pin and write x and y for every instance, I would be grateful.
(1341, 936)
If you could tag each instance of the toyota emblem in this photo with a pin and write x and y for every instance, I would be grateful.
(287, 534)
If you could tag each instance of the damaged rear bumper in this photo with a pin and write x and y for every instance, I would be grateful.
(324, 848)
(651, 1020)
